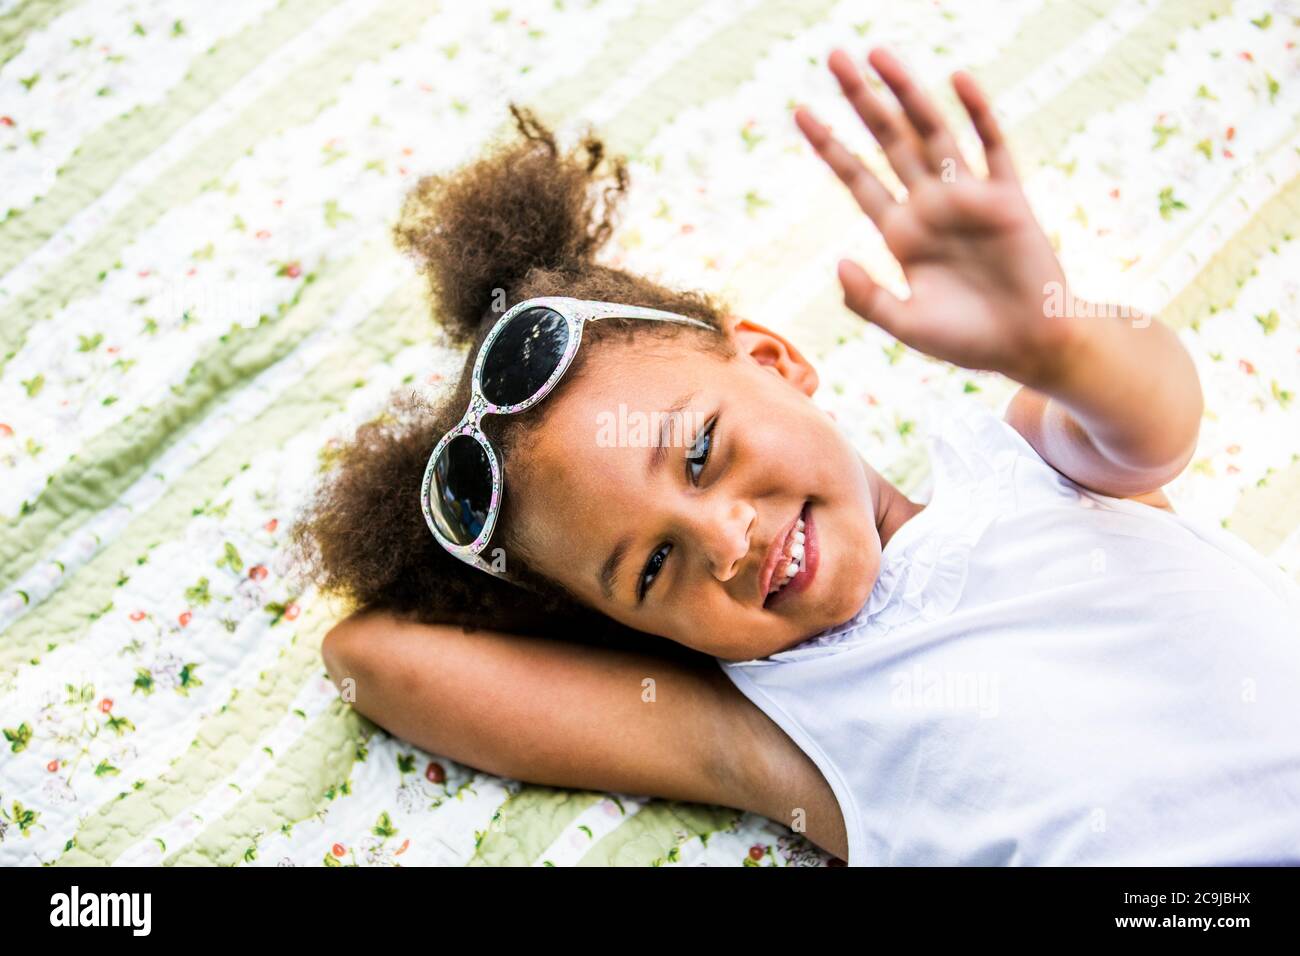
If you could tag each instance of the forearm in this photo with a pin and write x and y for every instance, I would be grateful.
(542, 710)
(1120, 407)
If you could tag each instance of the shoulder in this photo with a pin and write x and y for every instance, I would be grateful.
(1060, 444)
(778, 780)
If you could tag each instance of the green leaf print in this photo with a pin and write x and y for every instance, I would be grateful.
(1168, 203)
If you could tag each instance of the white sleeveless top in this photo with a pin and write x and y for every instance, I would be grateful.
(1045, 675)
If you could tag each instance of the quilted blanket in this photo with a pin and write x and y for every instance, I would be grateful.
(200, 299)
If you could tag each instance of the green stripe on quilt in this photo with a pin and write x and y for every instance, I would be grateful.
(113, 460)
(1037, 40)
(296, 100)
(1267, 514)
(527, 823)
(715, 66)
(27, 17)
(626, 42)
(1218, 281)
(109, 151)
(90, 589)
(223, 740)
(1119, 76)
(306, 776)
(654, 836)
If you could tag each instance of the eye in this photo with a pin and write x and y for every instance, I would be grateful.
(698, 456)
(651, 571)
(699, 453)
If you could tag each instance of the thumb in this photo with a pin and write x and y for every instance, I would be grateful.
(868, 299)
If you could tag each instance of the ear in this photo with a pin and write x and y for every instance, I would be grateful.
(774, 352)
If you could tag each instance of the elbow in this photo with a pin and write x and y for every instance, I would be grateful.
(341, 650)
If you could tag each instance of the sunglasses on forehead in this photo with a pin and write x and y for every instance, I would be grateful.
(523, 358)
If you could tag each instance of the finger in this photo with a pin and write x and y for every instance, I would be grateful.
(887, 126)
(868, 299)
(996, 153)
(939, 143)
(870, 192)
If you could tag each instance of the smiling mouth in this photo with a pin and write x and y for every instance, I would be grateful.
(794, 561)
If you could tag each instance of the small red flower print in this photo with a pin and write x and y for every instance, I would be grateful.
(1245, 55)
(687, 229)
(337, 849)
(262, 234)
(290, 269)
(1114, 193)
(106, 705)
(1233, 449)
(272, 524)
(1232, 469)
(1227, 154)
(277, 203)
(193, 271)
(7, 121)
(757, 851)
(5, 430)
(143, 273)
(53, 766)
(407, 151)
(185, 618)
(1232, 131)
(113, 349)
(257, 572)
(137, 615)
(434, 773)
(1246, 366)
(291, 612)
(406, 845)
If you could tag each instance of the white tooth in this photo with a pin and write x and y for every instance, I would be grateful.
(799, 524)
(798, 537)
(792, 569)
(797, 551)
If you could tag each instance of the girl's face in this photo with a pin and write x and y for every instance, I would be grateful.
(677, 524)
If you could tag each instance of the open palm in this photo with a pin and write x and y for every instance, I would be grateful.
(977, 263)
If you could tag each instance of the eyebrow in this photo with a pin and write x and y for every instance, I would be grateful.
(609, 571)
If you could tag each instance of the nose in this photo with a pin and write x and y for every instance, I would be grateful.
(724, 533)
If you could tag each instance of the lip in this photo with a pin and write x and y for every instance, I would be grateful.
(804, 577)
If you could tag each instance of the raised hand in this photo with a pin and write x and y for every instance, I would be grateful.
(978, 264)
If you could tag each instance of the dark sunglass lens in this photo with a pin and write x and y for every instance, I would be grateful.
(524, 355)
(462, 489)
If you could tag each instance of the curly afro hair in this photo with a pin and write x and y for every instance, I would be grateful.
(523, 220)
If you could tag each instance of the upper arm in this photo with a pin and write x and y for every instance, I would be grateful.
(547, 711)
(1064, 444)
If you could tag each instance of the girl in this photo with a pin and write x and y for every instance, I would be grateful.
(1042, 664)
